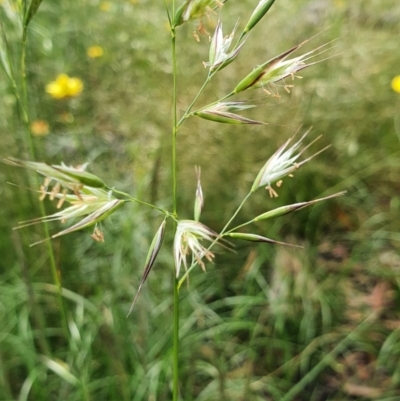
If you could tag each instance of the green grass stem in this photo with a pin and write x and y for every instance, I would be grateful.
(175, 350)
(23, 103)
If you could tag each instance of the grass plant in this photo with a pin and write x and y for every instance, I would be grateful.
(265, 323)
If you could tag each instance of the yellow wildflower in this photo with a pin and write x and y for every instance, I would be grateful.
(95, 51)
(39, 127)
(105, 6)
(395, 84)
(64, 86)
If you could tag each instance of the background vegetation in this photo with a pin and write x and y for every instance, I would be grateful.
(267, 323)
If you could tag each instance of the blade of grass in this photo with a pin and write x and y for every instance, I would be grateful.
(325, 361)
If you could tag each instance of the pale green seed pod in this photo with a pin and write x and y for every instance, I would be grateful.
(66, 176)
(219, 54)
(83, 177)
(280, 211)
(282, 163)
(226, 118)
(178, 18)
(97, 216)
(151, 258)
(250, 79)
(100, 211)
(257, 238)
(260, 73)
(222, 113)
(259, 12)
(277, 69)
(199, 198)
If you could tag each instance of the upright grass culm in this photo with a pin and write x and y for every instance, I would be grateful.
(91, 200)
(16, 75)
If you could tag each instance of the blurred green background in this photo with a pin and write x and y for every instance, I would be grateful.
(265, 323)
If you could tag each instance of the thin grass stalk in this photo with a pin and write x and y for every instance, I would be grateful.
(239, 208)
(174, 120)
(139, 201)
(188, 113)
(175, 350)
(188, 110)
(28, 141)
